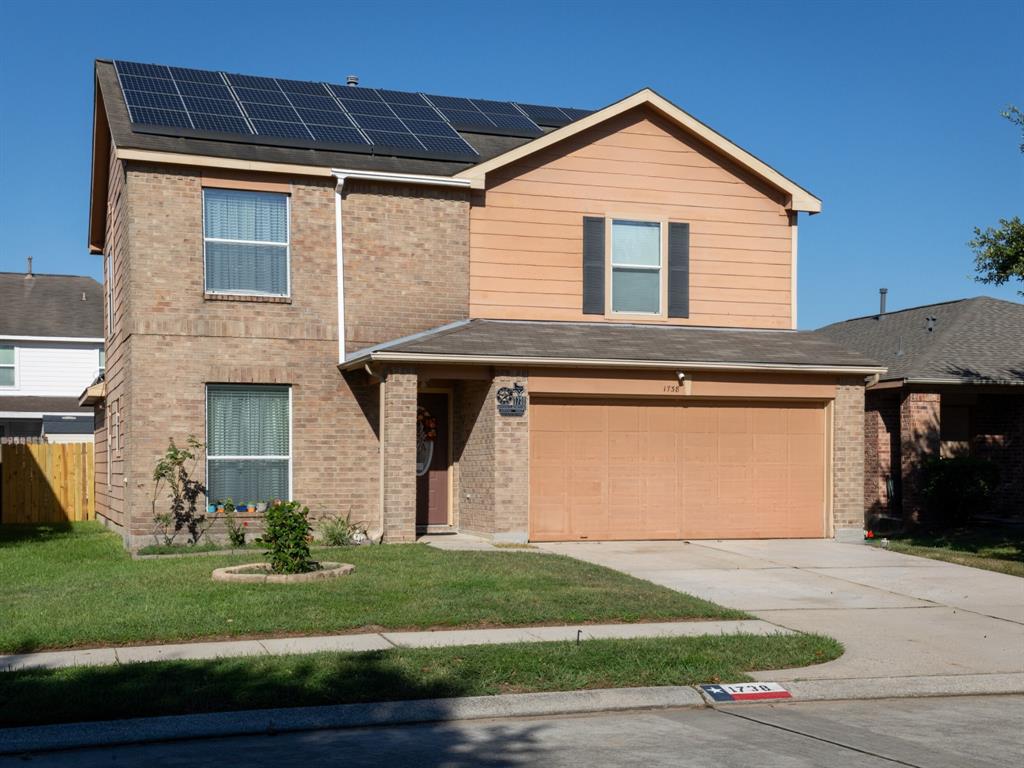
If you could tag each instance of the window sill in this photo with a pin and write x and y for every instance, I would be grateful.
(251, 298)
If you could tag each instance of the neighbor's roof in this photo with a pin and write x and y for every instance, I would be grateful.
(50, 305)
(976, 341)
(497, 342)
(32, 407)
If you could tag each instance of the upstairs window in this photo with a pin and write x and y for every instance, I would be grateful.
(636, 267)
(6, 366)
(245, 237)
(248, 442)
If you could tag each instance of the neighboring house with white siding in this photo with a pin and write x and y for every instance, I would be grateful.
(51, 348)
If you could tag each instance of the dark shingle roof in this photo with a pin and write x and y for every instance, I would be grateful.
(495, 339)
(124, 137)
(14, 403)
(979, 340)
(50, 305)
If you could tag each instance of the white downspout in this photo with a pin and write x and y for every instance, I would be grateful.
(340, 251)
(792, 281)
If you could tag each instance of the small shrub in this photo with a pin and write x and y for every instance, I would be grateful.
(958, 488)
(236, 530)
(340, 531)
(287, 533)
(174, 470)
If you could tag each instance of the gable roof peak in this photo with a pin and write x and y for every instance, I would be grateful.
(799, 199)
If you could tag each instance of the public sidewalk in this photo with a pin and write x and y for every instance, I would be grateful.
(377, 641)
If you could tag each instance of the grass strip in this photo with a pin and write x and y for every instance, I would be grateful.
(33, 697)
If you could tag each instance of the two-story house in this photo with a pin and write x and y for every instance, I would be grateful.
(440, 313)
(51, 347)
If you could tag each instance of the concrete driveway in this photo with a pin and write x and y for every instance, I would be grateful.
(897, 615)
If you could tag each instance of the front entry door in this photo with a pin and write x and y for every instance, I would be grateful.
(432, 459)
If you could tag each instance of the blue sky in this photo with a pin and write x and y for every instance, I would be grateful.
(887, 111)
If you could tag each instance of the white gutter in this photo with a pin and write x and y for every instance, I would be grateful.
(75, 339)
(342, 175)
(414, 357)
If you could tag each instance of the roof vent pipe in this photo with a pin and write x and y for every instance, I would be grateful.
(929, 323)
(83, 296)
(881, 300)
(352, 81)
(29, 272)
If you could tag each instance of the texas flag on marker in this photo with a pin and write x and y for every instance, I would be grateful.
(746, 691)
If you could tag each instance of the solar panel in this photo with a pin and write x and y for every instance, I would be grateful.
(550, 116)
(302, 113)
(485, 116)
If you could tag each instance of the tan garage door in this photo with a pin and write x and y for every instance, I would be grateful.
(666, 470)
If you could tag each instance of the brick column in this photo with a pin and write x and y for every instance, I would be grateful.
(848, 459)
(919, 437)
(398, 444)
(511, 464)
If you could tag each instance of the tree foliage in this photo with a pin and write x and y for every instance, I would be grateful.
(999, 251)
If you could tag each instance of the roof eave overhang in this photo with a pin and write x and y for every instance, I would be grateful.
(799, 199)
(100, 173)
(384, 356)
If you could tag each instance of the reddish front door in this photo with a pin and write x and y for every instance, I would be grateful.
(432, 459)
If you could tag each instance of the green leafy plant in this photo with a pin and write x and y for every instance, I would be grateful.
(287, 533)
(236, 528)
(340, 531)
(958, 488)
(173, 473)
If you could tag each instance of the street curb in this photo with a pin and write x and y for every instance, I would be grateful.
(45, 738)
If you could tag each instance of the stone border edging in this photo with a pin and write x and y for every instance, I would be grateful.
(44, 738)
(234, 573)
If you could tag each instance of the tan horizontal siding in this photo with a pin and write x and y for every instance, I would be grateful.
(526, 237)
(522, 312)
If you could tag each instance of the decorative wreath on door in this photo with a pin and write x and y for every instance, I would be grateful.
(426, 436)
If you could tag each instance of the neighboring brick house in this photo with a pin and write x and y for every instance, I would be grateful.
(955, 386)
(51, 346)
(437, 314)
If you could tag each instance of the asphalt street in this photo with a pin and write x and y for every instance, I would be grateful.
(955, 732)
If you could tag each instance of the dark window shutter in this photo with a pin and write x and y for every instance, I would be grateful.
(593, 265)
(678, 269)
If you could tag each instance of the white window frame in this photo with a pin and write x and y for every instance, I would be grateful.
(12, 365)
(659, 269)
(291, 444)
(287, 246)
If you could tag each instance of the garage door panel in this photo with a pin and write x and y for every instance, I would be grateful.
(771, 448)
(640, 469)
(805, 449)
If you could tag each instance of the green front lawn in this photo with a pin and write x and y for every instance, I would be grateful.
(77, 586)
(994, 549)
(188, 687)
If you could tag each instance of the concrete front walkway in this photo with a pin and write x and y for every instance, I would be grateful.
(378, 641)
(897, 615)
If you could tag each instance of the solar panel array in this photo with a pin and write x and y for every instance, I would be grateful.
(270, 110)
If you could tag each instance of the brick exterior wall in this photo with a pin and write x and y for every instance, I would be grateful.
(999, 437)
(919, 436)
(169, 342)
(399, 453)
(848, 457)
(881, 452)
(475, 414)
(406, 260)
(511, 464)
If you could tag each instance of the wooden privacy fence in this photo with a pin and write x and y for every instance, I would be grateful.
(46, 483)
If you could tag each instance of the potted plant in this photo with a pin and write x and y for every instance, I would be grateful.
(253, 507)
(261, 507)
